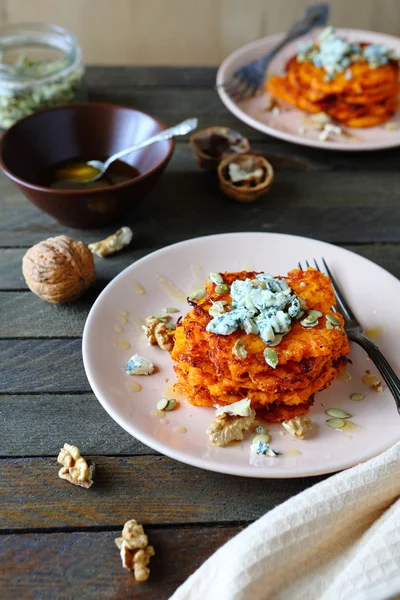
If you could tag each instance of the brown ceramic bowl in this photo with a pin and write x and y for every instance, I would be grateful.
(89, 131)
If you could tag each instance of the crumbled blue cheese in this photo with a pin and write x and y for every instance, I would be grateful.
(260, 429)
(263, 306)
(335, 55)
(241, 408)
(263, 448)
(138, 365)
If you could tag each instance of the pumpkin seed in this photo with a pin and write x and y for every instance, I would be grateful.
(309, 321)
(163, 318)
(314, 313)
(357, 397)
(170, 404)
(161, 404)
(271, 357)
(215, 278)
(196, 295)
(337, 412)
(262, 437)
(333, 320)
(222, 289)
(169, 309)
(277, 340)
(336, 423)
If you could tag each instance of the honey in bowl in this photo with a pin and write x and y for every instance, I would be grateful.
(70, 174)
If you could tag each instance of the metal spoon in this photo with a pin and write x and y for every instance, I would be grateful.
(180, 129)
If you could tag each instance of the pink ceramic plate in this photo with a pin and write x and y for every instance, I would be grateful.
(372, 292)
(286, 125)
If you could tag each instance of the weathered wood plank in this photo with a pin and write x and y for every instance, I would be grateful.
(155, 489)
(40, 424)
(326, 205)
(42, 366)
(67, 565)
(29, 314)
(155, 77)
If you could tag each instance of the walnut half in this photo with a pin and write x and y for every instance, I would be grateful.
(134, 549)
(299, 427)
(226, 428)
(75, 469)
(156, 331)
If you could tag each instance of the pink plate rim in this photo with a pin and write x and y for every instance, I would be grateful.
(256, 49)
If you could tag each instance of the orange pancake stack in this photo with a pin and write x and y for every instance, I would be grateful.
(360, 89)
(209, 373)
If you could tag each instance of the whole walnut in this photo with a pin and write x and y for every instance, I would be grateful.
(59, 269)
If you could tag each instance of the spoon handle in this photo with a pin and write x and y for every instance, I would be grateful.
(180, 129)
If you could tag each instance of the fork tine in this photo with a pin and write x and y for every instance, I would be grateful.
(299, 265)
(240, 91)
(307, 264)
(316, 265)
(345, 308)
(232, 82)
(248, 93)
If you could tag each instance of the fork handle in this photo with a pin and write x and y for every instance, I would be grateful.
(384, 368)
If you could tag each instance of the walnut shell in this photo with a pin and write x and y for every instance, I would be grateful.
(59, 269)
(213, 144)
(246, 190)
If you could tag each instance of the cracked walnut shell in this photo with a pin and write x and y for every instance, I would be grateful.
(213, 144)
(59, 269)
(245, 177)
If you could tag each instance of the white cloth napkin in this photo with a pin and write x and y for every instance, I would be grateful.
(338, 540)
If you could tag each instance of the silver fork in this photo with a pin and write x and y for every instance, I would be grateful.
(354, 331)
(248, 79)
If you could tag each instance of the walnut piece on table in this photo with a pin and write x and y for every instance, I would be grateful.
(113, 243)
(75, 469)
(135, 550)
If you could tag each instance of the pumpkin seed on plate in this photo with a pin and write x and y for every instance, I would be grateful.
(336, 423)
(161, 404)
(170, 405)
(169, 309)
(333, 320)
(357, 397)
(262, 437)
(271, 357)
(215, 278)
(222, 288)
(337, 412)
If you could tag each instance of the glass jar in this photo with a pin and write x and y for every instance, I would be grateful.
(40, 67)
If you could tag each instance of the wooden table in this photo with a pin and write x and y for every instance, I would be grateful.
(57, 541)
